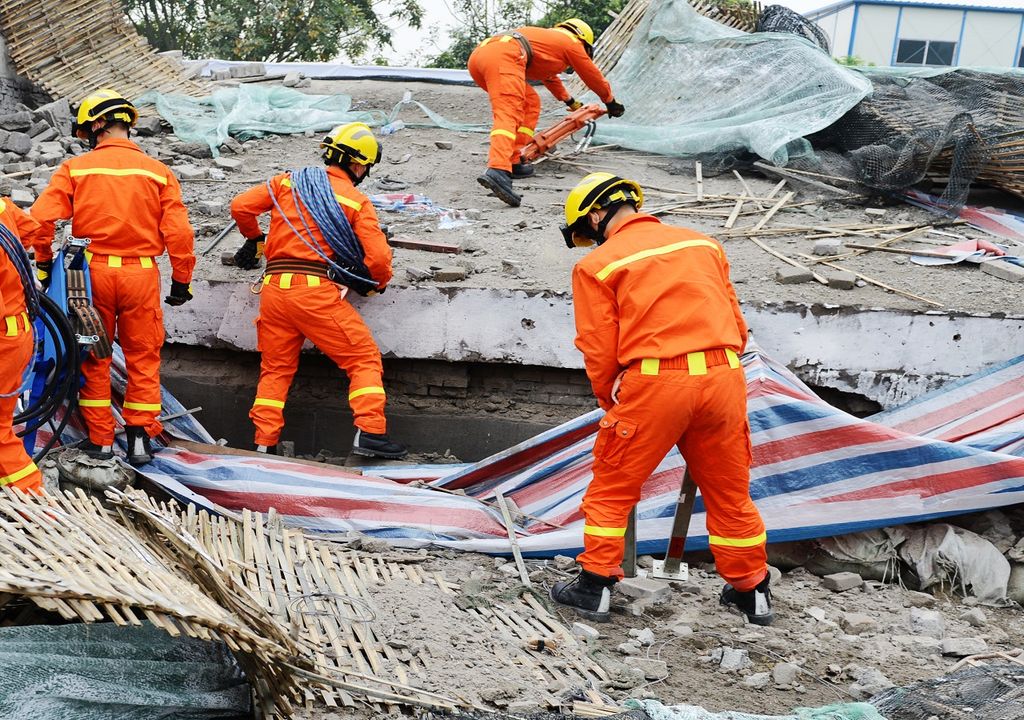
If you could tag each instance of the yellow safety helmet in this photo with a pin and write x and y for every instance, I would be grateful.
(580, 29)
(103, 104)
(594, 192)
(352, 142)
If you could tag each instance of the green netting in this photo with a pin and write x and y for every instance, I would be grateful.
(106, 672)
(843, 711)
(250, 111)
(693, 87)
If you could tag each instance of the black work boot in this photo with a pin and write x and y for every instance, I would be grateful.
(140, 451)
(267, 449)
(381, 446)
(756, 604)
(97, 452)
(522, 170)
(588, 594)
(499, 182)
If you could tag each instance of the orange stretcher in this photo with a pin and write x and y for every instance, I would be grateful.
(546, 140)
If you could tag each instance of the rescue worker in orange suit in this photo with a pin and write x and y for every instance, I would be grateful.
(17, 285)
(299, 299)
(661, 332)
(129, 206)
(503, 64)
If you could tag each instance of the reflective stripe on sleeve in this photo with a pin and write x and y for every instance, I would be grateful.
(84, 402)
(279, 404)
(738, 542)
(372, 390)
(604, 531)
(347, 202)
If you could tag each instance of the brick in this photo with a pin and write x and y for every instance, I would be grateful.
(22, 197)
(858, 623)
(48, 147)
(212, 208)
(57, 114)
(226, 163)
(18, 167)
(927, 623)
(828, 246)
(841, 279)
(643, 588)
(785, 673)
(18, 142)
(790, 275)
(245, 70)
(292, 79)
(1004, 270)
(46, 135)
(16, 121)
(220, 75)
(188, 172)
(582, 630)
(963, 647)
(404, 241)
(452, 273)
(841, 582)
(149, 126)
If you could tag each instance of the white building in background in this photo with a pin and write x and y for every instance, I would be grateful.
(933, 33)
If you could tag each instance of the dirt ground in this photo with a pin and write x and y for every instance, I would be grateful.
(825, 647)
(522, 248)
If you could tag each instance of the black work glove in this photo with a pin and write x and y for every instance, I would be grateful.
(573, 104)
(248, 256)
(181, 293)
(44, 269)
(387, 232)
(615, 109)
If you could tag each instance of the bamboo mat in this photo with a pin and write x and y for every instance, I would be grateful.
(297, 612)
(72, 47)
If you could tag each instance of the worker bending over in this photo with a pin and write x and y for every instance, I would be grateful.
(129, 206)
(17, 298)
(503, 64)
(315, 218)
(661, 332)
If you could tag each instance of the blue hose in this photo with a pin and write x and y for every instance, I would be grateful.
(19, 258)
(313, 194)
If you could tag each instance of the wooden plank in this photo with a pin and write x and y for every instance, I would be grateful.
(517, 554)
(771, 212)
(791, 261)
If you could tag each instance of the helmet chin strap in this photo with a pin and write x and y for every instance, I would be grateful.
(602, 226)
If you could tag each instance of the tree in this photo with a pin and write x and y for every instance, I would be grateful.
(479, 20)
(273, 30)
(593, 12)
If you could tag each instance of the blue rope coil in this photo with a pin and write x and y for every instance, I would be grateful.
(313, 195)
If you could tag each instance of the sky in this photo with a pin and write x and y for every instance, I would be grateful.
(413, 46)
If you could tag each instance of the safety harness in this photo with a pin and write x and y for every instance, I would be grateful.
(518, 37)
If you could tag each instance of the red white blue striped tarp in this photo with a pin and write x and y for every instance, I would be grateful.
(817, 472)
(985, 411)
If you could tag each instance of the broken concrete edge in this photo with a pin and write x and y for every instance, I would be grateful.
(888, 356)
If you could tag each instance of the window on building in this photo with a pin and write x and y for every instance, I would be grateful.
(926, 52)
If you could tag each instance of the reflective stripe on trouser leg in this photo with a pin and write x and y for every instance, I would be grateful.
(527, 128)
(717, 449)
(16, 467)
(140, 331)
(279, 342)
(500, 69)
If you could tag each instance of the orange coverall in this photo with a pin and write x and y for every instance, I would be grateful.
(295, 307)
(499, 66)
(129, 205)
(16, 349)
(654, 303)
